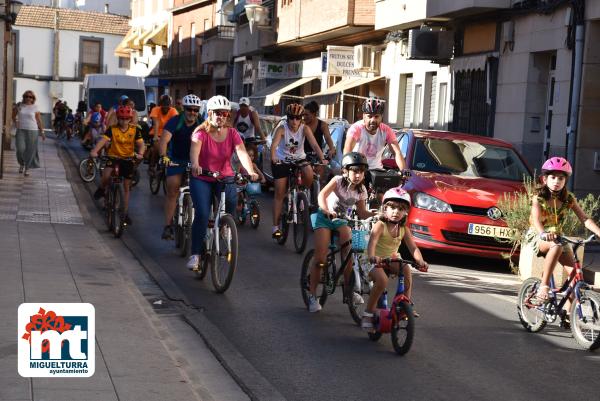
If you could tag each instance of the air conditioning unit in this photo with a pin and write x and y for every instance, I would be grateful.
(430, 45)
(367, 58)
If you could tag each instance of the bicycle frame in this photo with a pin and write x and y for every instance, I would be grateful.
(183, 190)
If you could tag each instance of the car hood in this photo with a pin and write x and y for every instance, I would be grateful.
(471, 191)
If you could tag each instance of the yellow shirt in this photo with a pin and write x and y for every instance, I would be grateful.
(122, 144)
(388, 245)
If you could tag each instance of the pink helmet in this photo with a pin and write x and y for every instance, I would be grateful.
(396, 194)
(557, 164)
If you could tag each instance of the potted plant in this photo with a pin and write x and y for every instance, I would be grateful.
(516, 208)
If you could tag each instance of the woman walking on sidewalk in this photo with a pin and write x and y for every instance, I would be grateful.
(26, 117)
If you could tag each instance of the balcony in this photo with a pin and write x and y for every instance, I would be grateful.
(403, 14)
(246, 44)
(183, 66)
(217, 44)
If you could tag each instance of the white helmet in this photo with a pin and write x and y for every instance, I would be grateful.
(396, 194)
(218, 103)
(191, 100)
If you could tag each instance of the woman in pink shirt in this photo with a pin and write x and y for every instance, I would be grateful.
(213, 144)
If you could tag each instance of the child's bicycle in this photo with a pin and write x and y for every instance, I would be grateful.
(90, 167)
(398, 320)
(585, 306)
(332, 276)
(247, 205)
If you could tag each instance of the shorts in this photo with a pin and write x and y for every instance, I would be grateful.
(175, 170)
(282, 170)
(319, 220)
(532, 239)
(126, 167)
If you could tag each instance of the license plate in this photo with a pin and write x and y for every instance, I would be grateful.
(489, 231)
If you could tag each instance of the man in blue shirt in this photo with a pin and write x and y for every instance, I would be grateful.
(177, 135)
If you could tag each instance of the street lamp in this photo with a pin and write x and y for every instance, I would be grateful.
(15, 7)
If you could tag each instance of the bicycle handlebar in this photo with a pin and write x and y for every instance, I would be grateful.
(388, 261)
(567, 240)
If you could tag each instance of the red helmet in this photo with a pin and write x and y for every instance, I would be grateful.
(557, 164)
(124, 112)
(373, 105)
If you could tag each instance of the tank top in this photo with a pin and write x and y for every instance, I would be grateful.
(318, 134)
(244, 125)
(291, 145)
(553, 219)
(388, 245)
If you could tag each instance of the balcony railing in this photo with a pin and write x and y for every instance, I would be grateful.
(220, 32)
(183, 64)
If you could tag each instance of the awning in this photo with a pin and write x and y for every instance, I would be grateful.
(137, 43)
(332, 94)
(157, 36)
(123, 49)
(471, 63)
(273, 93)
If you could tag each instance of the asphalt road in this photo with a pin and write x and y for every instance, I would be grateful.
(469, 343)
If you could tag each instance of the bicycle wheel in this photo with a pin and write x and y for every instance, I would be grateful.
(356, 305)
(254, 214)
(163, 177)
(176, 226)
(118, 210)
(224, 262)
(403, 328)
(154, 182)
(136, 177)
(87, 169)
(203, 266)
(585, 320)
(307, 263)
(108, 205)
(240, 213)
(284, 225)
(186, 226)
(531, 316)
(302, 225)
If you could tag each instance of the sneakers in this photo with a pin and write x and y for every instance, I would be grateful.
(276, 234)
(313, 304)
(167, 233)
(127, 220)
(366, 322)
(99, 193)
(193, 262)
(357, 299)
(21, 170)
(26, 173)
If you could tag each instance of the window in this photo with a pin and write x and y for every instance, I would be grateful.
(90, 56)
(432, 78)
(206, 24)
(441, 108)
(408, 96)
(193, 39)
(418, 109)
(124, 62)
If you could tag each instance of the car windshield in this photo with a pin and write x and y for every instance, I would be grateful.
(467, 159)
(109, 97)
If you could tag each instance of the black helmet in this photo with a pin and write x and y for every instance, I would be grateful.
(354, 159)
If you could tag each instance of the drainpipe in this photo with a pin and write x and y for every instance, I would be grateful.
(55, 70)
(576, 90)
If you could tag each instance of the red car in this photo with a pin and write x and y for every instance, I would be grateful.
(455, 185)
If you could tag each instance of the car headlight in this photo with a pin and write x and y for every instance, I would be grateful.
(428, 202)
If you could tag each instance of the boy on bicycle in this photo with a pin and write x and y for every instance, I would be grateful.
(386, 236)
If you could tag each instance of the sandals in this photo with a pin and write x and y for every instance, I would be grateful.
(366, 322)
(541, 297)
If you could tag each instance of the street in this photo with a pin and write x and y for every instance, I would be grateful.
(469, 343)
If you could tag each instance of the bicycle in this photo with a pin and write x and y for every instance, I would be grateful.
(247, 205)
(295, 208)
(114, 200)
(157, 176)
(398, 320)
(585, 307)
(221, 242)
(313, 192)
(184, 215)
(331, 276)
(381, 181)
(90, 167)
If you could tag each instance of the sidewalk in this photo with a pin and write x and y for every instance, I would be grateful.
(50, 252)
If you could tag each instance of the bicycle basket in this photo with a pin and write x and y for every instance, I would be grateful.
(253, 188)
(385, 179)
(360, 240)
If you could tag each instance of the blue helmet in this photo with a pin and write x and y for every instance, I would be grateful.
(123, 98)
(96, 118)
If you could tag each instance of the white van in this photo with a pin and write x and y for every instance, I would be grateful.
(108, 88)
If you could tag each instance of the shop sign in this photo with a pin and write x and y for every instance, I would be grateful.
(274, 70)
(248, 72)
(340, 61)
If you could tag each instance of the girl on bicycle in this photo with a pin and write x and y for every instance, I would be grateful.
(213, 144)
(335, 199)
(548, 211)
(386, 236)
(288, 147)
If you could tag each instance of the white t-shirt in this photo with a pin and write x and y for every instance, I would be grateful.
(244, 125)
(342, 199)
(26, 117)
(371, 146)
(291, 145)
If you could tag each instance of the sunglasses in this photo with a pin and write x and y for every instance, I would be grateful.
(192, 110)
(294, 117)
(28, 97)
(221, 113)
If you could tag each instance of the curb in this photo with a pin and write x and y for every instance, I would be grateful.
(241, 370)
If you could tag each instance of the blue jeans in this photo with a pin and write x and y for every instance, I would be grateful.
(202, 194)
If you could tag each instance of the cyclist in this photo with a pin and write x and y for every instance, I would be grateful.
(340, 194)
(386, 236)
(549, 209)
(370, 136)
(96, 109)
(179, 105)
(159, 115)
(213, 144)
(69, 123)
(125, 142)
(246, 121)
(320, 130)
(288, 145)
(60, 114)
(94, 130)
(177, 136)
